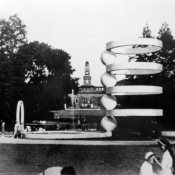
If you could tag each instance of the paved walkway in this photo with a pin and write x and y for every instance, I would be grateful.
(9, 140)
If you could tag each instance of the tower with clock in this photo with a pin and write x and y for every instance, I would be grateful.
(87, 77)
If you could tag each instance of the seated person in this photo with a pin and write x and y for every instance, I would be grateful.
(147, 168)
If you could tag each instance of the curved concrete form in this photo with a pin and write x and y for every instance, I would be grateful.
(119, 46)
(65, 135)
(129, 47)
(20, 115)
(134, 90)
(135, 112)
(168, 133)
(134, 68)
(20, 110)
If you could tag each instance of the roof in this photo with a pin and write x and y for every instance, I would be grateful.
(87, 86)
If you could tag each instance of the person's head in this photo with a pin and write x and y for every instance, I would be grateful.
(69, 170)
(149, 157)
(164, 144)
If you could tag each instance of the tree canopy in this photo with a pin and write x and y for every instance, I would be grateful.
(166, 57)
(12, 36)
(48, 75)
(34, 72)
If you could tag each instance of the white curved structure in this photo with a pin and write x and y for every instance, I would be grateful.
(108, 102)
(135, 112)
(134, 90)
(108, 57)
(134, 68)
(108, 123)
(108, 79)
(50, 135)
(20, 110)
(20, 115)
(127, 47)
(153, 45)
(168, 133)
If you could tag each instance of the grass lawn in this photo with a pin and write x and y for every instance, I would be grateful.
(20, 159)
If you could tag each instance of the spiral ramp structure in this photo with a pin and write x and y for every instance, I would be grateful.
(108, 79)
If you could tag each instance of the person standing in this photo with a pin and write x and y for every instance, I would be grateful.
(168, 159)
(3, 128)
(146, 168)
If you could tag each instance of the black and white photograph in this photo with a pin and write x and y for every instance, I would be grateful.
(87, 87)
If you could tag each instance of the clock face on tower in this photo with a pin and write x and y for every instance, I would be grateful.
(87, 72)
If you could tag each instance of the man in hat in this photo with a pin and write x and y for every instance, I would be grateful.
(146, 168)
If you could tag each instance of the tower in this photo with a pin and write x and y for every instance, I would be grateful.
(87, 77)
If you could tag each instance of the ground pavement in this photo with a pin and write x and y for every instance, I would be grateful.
(8, 139)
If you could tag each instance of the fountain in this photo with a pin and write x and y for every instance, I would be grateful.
(73, 134)
(108, 80)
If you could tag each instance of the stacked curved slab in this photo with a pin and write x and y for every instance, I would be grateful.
(51, 135)
(126, 47)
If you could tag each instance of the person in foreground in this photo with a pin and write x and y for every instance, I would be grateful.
(69, 170)
(167, 163)
(147, 168)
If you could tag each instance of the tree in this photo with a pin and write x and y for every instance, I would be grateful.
(142, 79)
(165, 57)
(49, 77)
(35, 73)
(12, 36)
(147, 32)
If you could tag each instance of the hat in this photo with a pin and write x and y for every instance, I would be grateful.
(161, 142)
(148, 155)
(164, 142)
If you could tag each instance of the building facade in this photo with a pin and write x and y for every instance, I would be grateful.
(89, 96)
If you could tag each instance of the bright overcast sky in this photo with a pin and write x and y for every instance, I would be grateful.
(83, 27)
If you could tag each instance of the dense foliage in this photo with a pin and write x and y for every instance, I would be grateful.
(34, 72)
(49, 78)
(166, 57)
(12, 36)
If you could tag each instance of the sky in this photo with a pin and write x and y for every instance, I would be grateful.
(83, 27)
